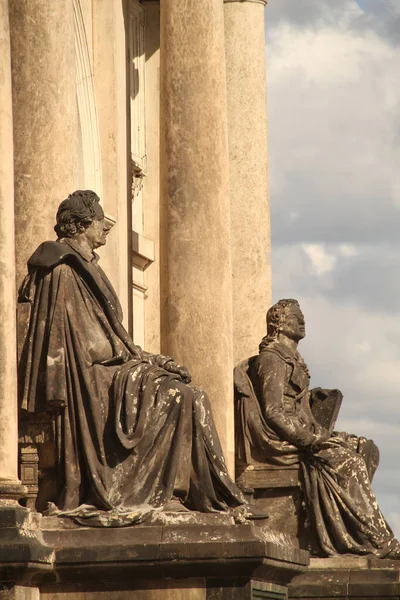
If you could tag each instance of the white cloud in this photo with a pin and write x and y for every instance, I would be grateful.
(321, 261)
(364, 347)
(348, 250)
(328, 57)
(334, 144)
(334, 130)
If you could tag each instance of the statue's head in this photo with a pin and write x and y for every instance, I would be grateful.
(285, 318)
(77, 212)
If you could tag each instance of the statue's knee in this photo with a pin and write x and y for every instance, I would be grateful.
(358, 462)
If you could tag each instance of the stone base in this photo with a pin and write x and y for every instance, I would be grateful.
(188, 589)
(346, 578)
(287, 514)
(23, 554)
(277, 491)
(178, 556)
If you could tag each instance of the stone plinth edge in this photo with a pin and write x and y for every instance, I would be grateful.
(347, 578)
(24, 557)
(178, 551)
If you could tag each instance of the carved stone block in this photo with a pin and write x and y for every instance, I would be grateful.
(29, 465)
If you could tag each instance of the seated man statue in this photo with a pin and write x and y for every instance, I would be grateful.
(274, 423)
(133, 436)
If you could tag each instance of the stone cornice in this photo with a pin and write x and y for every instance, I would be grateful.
(243, 1)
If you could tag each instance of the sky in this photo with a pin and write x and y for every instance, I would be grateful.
(334, 149)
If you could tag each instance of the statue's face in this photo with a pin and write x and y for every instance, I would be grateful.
(98, 230)
(294, 325)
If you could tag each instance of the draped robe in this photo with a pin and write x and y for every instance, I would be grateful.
(131, 434)
(275, 425)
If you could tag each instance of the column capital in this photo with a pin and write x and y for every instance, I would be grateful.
(243, 1)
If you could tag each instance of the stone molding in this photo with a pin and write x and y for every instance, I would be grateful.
(347, 578)
(170, 545)
(265, 2)
(143, 250)
(24, 557)
(11, 491)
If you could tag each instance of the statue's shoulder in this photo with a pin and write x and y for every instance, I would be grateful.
(271, 351)
(50, 254)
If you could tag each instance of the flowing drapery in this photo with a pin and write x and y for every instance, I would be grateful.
(275, 425)
(132, 435)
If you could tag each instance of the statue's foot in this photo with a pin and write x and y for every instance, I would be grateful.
(175, 505)
(254, 514)
(248, 512)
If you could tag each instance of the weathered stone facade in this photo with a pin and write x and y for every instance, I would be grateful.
(139, 102)
(150, 113)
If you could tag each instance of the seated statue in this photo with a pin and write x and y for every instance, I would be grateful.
(133, 435)
(275, 424)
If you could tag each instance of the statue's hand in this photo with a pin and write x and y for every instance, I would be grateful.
(318, 442)
(183, 373)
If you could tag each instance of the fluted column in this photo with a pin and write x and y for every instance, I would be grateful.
(45, 117)
(9, 484)
(195, 253)
(249, 190)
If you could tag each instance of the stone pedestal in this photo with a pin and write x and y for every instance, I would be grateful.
(196, 274)
(277, 492)
(345, 578)
(24, 558)
(181, 556)
(248, 156)
(45, 118)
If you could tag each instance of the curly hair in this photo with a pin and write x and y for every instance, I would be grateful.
(76, 213)
(277, 314)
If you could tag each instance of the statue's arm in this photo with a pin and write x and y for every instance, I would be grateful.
(158, 360)
(168, 363)
(271, 372)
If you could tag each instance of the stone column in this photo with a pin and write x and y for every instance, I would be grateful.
(248, 153)
(196, 296)
(9, 484)
(111, 80)
(45, 118)
(23, 553)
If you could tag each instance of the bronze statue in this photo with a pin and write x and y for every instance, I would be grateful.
(275, 424)
(133, 436)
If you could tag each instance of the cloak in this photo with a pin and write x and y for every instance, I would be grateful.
(131, 434)
(275, 425)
